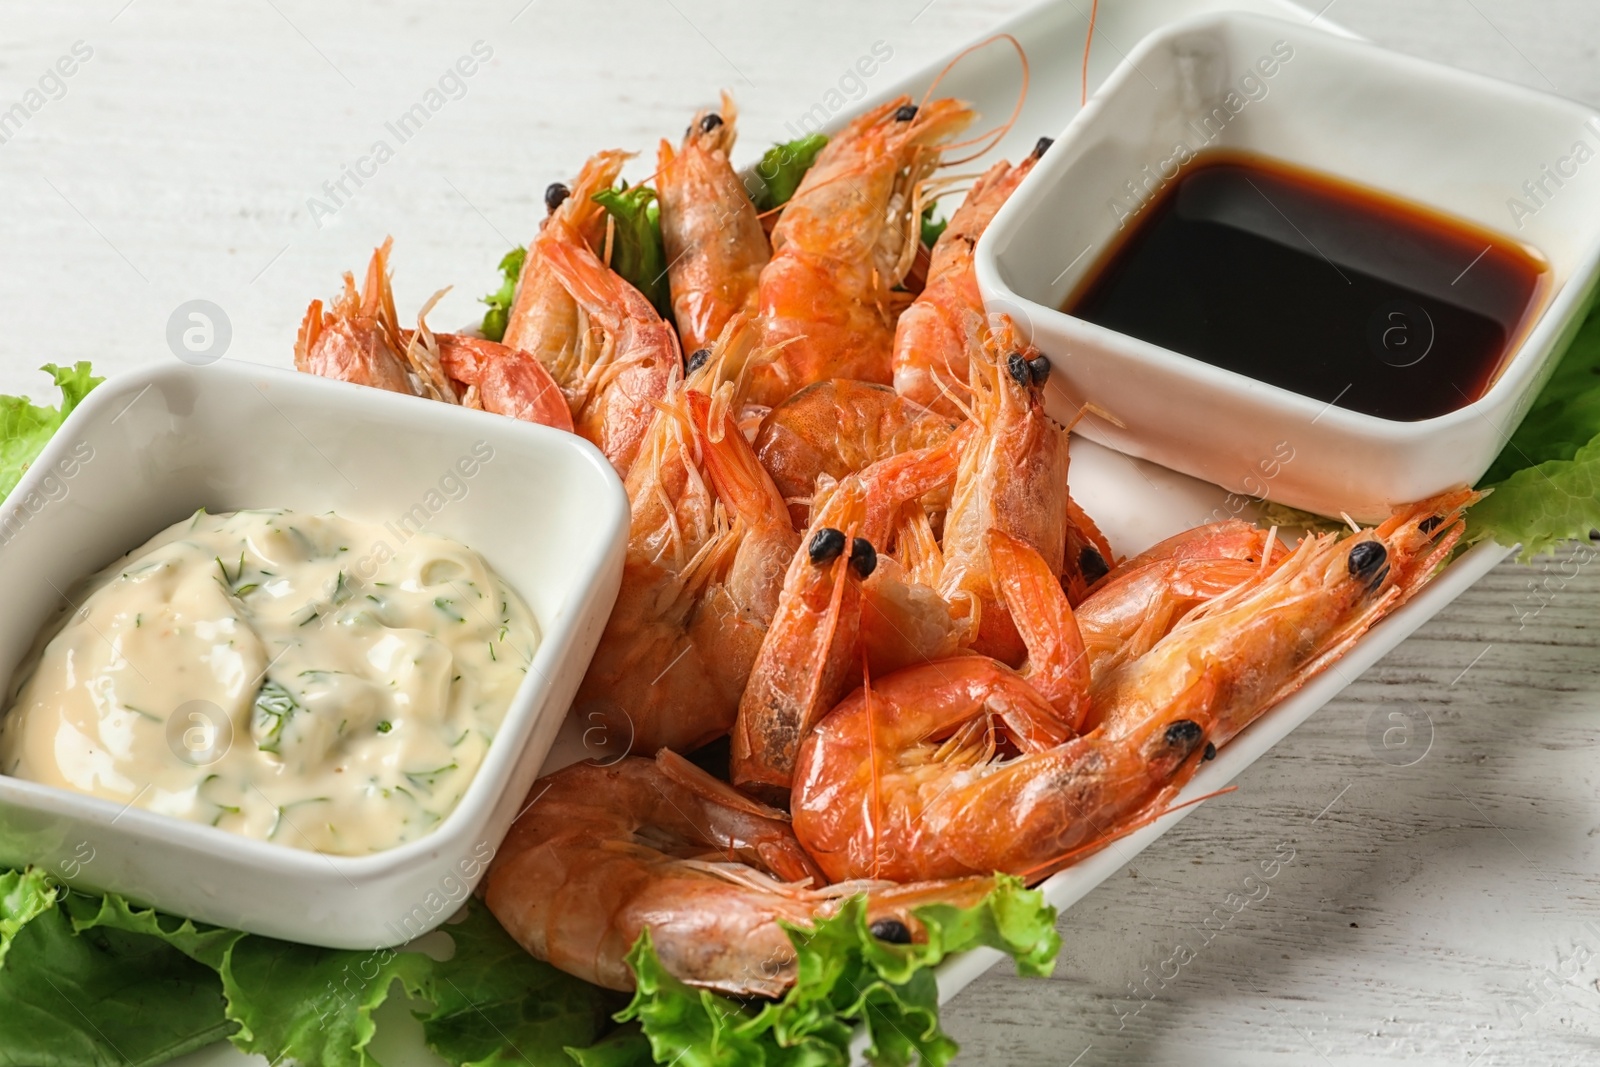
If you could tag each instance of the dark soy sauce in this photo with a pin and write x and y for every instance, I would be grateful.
(1308, 283)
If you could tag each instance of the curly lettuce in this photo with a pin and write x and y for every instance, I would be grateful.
(637, 251)
(782, 166)
(26, 426)
(500, 301)
(1546, 481)
(845, 978)
(96, 981)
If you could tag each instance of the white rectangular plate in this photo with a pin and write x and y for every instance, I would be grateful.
(1135, 503)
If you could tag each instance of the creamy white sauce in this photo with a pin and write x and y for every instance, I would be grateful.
(287, 677)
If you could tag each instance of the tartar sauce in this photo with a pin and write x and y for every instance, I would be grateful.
(287, 677)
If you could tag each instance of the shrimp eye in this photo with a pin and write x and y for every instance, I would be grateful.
(1185, 734)
(1043, 146)
(906, 113)
(1038, 369)
(710, 122)
(1209, 754)
(1092, 565)
(1017, 365)
(1430, 524)
(891, 930)
(697, 359)
(863, 557)
(826, 544)
(1369, 561)
(555, 194)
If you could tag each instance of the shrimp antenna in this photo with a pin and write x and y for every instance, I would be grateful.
(995, 136)
(872, 758)
(1088, 39)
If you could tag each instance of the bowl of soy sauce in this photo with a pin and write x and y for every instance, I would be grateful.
(1260, 240)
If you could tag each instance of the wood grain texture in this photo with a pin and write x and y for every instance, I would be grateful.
(1441, 904)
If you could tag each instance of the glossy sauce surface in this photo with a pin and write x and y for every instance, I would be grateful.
(301, 679)
(1316, 286)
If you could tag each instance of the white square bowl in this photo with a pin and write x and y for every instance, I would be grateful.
(146, 449)
(1456, 143)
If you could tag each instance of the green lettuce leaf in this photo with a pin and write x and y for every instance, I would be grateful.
(932, 228)
(845, 977)
(499, 301)
(1566, 415)
(637, 253)
(26, 426)
(626, 1046)
(24, 896)
(97, 995)
(1546, 481)
(1539, 506)
(497, 1006)
(783, 165)
(95, 981)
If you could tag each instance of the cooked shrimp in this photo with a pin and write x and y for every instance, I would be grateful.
(543, 319)
(504, 380)
(358, 339)
(700, 581)
(638, 352)
(1124, 617)
(1012, 478)
(904, 618)
(1252, 647)
(1230, 539)
(837, 428)
(843, 243)
(905, 775)
(1139, 602)
(807, 658)
(713, 239)
(835, 607)
(930, 340)
(601, 341)
(602, 852)
(482, 374)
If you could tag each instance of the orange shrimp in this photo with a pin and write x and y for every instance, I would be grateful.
(930, 340)
(1125, 617)
(601, 341)
(835, 606)
(714, 242)
(907, 781)
(1257, 644)
(638, 352)
(1012, 478)
(836, 428)
(843, 243)
(484, 375)
(904, 618)
(1230, 539)
(805, 663)
(701, 578)
(602, 852)
(359, 340)
(504, 380)
(1138, 603)
(871, 780)
(544, 319)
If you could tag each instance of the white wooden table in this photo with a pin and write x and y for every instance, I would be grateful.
(1445, 911)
